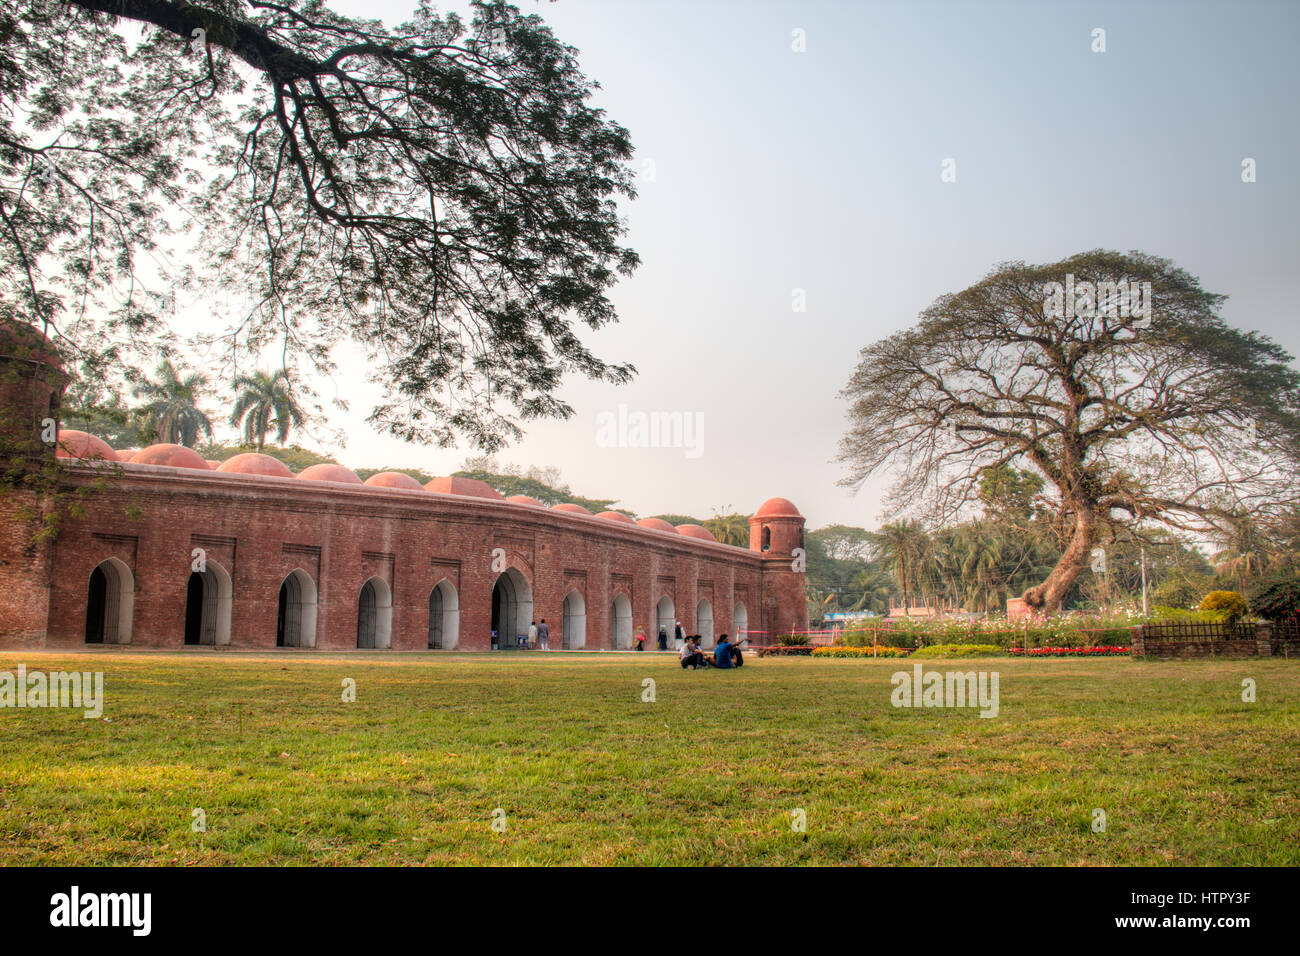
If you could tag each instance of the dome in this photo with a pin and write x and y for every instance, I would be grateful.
(213, 463)
(253, 463)
(657, 524)
(327, 471)
(777, 508)
(617, 516)
(172, 456)
(127, 454)
(526, 500)
(394, 479)
(75, 444)
(471, 487)
(571, 509)
(695, 531)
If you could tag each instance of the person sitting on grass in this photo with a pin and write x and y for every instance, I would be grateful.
(690, 655)
(722, 654)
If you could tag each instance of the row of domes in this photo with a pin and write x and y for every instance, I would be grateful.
(75, 444)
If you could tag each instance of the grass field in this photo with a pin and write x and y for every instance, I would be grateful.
(708, 773)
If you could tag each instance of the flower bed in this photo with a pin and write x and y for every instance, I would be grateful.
(1102, 651)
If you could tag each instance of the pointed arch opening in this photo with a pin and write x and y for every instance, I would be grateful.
(295, 623)
(665, 616)
(375, 615)
(574, 621)
(740, 621)
(444, 617)
(704, 622)
(110, 603)
(620, 623)
(208, 600)
(512, 607)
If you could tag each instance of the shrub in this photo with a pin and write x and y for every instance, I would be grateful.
(859, 652)
(793, 640)
(1227, 605)
(960, 650)
(1277, 599)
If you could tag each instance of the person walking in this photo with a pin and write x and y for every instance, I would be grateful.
(532, 634)
(640, 640)
(679, 635)
(544, 635)
(663, 638)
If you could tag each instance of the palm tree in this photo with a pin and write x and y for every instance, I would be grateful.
(260, 400)
(874, 586)
(981, 568)
(171, 409)
(902, 546)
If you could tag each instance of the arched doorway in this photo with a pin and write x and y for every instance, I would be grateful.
(207, 606)
(704, 622)
(444, 617)
(110, 599)
(295, 623)
(574, 621)
(512, 606)
(375, 615)
(620, 623)
(665, 617)
(740, 621)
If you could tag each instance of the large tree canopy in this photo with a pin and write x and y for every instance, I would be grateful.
(442, 193)
(1156, 414)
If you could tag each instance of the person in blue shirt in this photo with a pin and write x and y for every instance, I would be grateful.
(722, 653)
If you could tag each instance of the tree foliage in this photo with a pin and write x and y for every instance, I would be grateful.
(1170, 418)
(441, 193)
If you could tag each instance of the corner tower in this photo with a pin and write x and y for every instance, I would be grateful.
(31, 386)
(776, 532)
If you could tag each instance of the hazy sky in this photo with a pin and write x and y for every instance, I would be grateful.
(776, 170)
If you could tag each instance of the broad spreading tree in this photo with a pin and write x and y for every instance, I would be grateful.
(1112, 377)
(442, 193)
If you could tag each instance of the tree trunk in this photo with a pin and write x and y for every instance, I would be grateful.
(1046, 598)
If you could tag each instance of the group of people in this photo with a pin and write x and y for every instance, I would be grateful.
(539, 635)
(725, 655)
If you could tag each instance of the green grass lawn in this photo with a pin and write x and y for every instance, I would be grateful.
(709, 773)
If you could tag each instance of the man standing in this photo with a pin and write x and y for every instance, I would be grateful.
(679, 635)
(544, 635)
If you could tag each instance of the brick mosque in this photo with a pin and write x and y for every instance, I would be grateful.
(165, 549)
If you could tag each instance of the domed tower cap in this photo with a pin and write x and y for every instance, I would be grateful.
(777, 508)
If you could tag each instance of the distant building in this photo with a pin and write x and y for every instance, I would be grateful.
(175, 550)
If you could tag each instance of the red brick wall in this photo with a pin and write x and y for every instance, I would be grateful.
(260, 529)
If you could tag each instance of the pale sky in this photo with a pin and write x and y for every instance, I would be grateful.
(776, 170)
